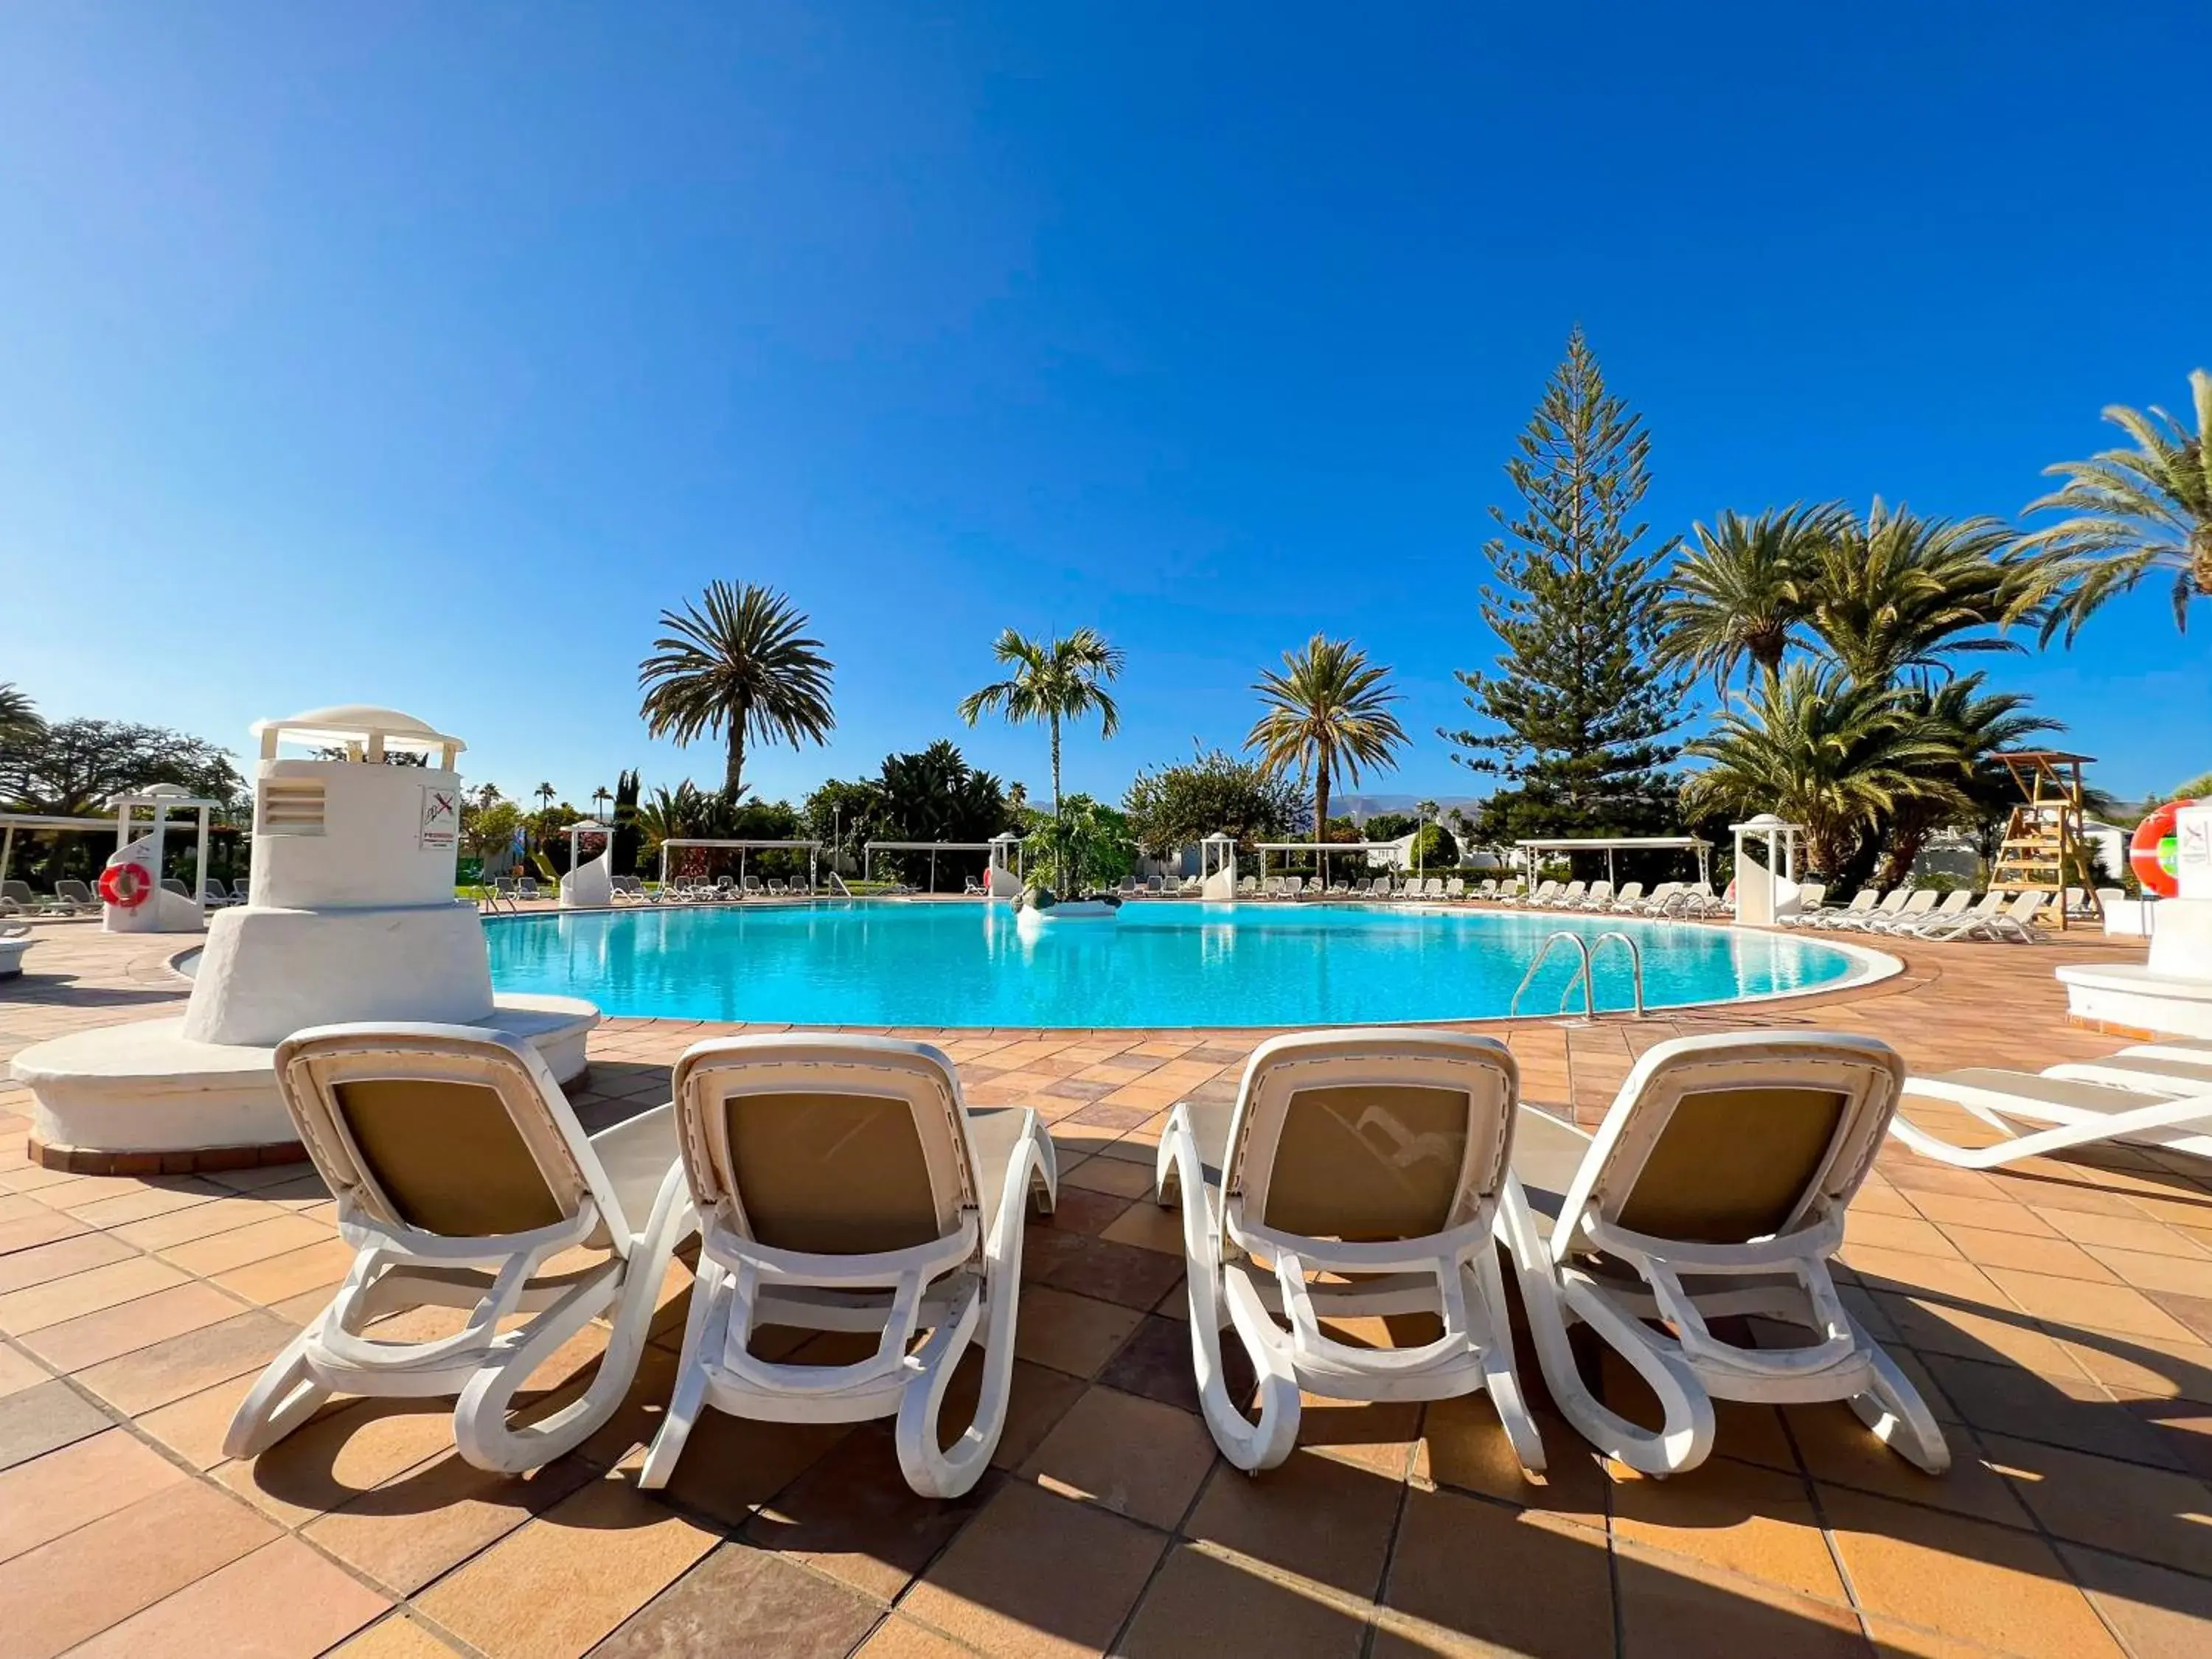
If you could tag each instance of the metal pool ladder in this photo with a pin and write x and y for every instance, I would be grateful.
(1589, 949)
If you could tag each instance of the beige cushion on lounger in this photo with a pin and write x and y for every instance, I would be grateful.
(1732, 1164)
(1368, 1162)
(831, 1174)
(447, 1155)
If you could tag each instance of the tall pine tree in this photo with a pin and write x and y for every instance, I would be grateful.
(1581, 705)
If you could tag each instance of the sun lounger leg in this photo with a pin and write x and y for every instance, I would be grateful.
(1900, 1418)
(483, 1430)
(284, 1397)
(953, 1471)
(1501, 1379)
(1250, 1446)
(1685, 1434)
(706, 1328)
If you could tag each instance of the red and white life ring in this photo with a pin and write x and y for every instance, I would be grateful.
(2153, 853)
(126, 886)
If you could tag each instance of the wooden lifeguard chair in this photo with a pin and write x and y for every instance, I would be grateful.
(2044, 841)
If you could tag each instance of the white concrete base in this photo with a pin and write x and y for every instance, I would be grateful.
(2130, 918)
(2138, 999)
(149, 1087)
(12, 955)
(267, 972)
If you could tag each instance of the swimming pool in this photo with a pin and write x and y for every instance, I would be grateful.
(1161, 964)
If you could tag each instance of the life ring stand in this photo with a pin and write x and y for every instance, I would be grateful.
(2151, 851)
(126, 886)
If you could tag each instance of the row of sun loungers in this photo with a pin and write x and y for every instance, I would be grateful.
(76, 898)
(842, 1183)
(1923, 914)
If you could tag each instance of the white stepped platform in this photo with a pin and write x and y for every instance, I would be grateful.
(2171, 994)
(148, 1087)
(2138, 998)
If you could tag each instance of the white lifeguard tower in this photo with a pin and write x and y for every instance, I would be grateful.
(351, 916)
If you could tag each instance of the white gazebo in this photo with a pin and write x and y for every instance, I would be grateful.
(869, 849)
(1766, 889)
(1323, 848)
(589, 885)
(741, 846)
(1217, 866)
(1609, 844)
(1003, 879)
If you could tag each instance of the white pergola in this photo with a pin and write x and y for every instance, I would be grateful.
(741, 846)
(1323, 847)
(1609, 844)
(869, 849)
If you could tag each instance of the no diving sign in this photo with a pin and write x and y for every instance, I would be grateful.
(442, 820)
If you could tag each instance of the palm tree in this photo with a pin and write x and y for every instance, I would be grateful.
(1054, 680)
(1894, 593)
(600, 796)
(1428, 810)
(2133, 512)
(1738, 594)
(19, 719)
(1328, 712)
(545, 792)
(1972, 726)
(1826, 749)
(738, 662)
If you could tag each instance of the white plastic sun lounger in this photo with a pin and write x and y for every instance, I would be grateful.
(1956, 918)
(1715, 1185)
(1861, 906)
(845, 1185)
(1893, 903)
(1373, 1156)
(1569, 897)
(1653, 903)
(2162, 1109)
(1811, 898)
(1926, 906)
(460, 1172)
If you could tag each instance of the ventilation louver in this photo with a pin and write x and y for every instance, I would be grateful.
(291, 806)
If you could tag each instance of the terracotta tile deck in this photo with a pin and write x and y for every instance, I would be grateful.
(2059, 1317)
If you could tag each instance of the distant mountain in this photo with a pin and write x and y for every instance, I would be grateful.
(1365, 806)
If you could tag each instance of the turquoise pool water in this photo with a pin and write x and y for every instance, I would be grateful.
(1160, 964)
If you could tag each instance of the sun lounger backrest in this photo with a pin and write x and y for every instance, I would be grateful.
(827, 1146)
(1370, 1135)
(1722, 1140)
(442, 1129)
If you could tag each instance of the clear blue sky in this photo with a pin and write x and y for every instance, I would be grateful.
(422, 354)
